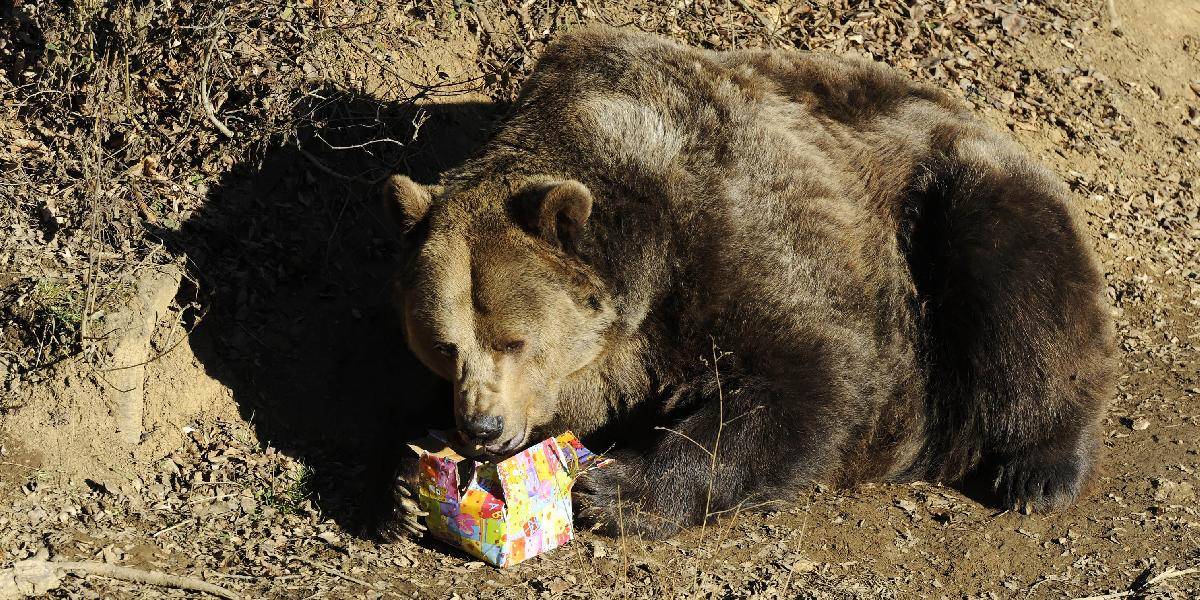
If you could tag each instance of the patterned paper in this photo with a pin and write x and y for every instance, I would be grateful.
(504, 512)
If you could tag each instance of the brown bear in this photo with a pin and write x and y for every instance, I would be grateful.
(806, 265)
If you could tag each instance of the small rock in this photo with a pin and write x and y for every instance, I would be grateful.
(111, 554)
(37, 515)
(33, 577)
(1140, 424)
(908, 506)
(1172, 492)
(803, 565)
(558, 585)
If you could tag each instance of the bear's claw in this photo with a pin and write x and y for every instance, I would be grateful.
(1040, 482)
(405, 518)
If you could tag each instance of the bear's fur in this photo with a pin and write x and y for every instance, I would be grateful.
(844, 275)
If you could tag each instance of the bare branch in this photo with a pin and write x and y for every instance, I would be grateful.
(140, 576)
(205, 101)
(688, 438)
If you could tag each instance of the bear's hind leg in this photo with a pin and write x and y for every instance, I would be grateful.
(1017, 341)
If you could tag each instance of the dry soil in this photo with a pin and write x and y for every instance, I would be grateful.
(244, 141)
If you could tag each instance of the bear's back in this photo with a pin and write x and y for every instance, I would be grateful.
(741, 127)
(751, 185)
(621, 102)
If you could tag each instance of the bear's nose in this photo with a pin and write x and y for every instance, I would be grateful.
(484, 427)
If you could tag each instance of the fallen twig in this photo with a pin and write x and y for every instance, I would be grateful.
(326, 169)
(765, 22)
(386, 140)
(210, 112)
(1169, 573)
(140, 576)
(316, 162)
(484, 23)
(142, 206)
(205, 101)
(173, 527)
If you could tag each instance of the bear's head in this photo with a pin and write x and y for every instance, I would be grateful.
(496, 299)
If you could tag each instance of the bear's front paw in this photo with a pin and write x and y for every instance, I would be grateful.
(406, 514)
(404, 517)
(609, 501)
(1040, 481)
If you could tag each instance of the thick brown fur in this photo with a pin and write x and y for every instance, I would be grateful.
(902, 292)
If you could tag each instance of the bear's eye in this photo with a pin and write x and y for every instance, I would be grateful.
(446, 349)
(513, 346)
(593, 302)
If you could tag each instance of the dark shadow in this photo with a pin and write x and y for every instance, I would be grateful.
(291, 307)
(977, 487)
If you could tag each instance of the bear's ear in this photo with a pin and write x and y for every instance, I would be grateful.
(559, 211)
(406, 201)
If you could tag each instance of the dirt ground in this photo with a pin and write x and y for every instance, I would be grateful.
(243, 142)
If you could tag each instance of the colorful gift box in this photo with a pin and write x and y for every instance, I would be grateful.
(503, 512)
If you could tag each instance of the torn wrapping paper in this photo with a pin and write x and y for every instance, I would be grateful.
(503, 512)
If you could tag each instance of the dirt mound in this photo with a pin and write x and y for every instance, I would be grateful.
(243, 142)
(71, 427)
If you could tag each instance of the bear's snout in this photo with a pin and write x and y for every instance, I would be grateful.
(486, 418)
(484, 427)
